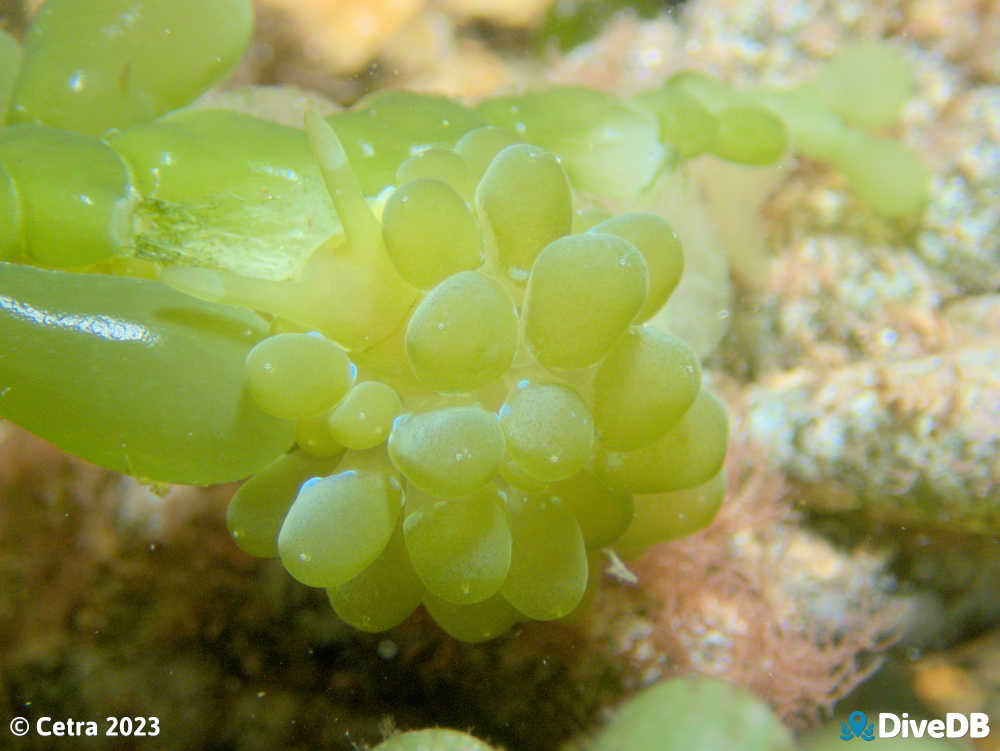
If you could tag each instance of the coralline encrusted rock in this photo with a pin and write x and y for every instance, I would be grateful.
(760, 601)
(960, 233)
(913, 441)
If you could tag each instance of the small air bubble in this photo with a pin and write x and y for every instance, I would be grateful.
(387, 649)
(77, 80)
(305, 557)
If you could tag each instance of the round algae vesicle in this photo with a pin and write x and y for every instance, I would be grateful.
(436, 739)
(257, 509)
(313, 436)
(694, 712)
(478, 622)
(437, 164)
(549, 430)
(460, 547)
(364, 417)
(603, 514)
(688, 454)
(750, 135)
(661, 249)
(583, 292)
(448, 452)
(884, 174)
(525, 199)
(463, 334)
(382, 595)
(667, 516)
(548, 566)
(72, 197)
(430, 232)
(685, 123)
(480, 145)
(866, 83)
(297, 375)
(642, 388)
(338, 526)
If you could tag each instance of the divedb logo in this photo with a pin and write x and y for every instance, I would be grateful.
(954, 725)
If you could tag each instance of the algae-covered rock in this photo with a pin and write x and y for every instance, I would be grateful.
(436, 739)
(697, 714)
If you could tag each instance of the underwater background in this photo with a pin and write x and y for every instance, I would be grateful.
(855, 565)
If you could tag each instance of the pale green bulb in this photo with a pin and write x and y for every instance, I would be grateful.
(460, 547)
(463, 334)
(549, 430)
(448, 452)
(583, 293)
(297, 375)
(338, 526)
(383, 595)
(548, 567)
(363, 419)
(643, 387)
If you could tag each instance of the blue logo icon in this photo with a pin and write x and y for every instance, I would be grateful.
(857, 727)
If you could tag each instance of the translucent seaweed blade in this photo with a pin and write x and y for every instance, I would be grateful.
(226, 191)
(387, 127)
(148, 382)
(607, 147)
